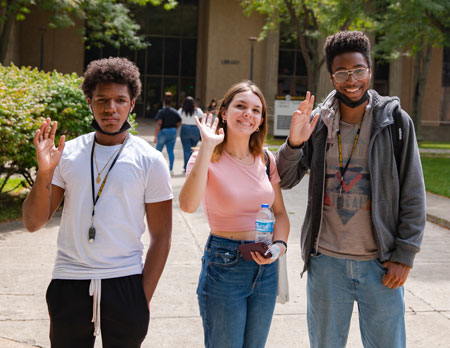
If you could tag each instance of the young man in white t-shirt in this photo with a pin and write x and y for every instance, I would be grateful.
(110, 180)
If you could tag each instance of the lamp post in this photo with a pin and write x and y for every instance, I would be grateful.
(252, 40)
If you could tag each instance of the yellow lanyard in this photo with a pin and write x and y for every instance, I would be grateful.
(344, 170)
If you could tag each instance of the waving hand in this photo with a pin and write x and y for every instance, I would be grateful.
(208, 130)
(301, 125)
(48, 155)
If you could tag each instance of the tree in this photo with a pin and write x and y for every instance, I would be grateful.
(413, 28)
(311, 20)
(107, 21)
(403, 27)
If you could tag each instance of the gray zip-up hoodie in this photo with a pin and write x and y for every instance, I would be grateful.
(398, 197)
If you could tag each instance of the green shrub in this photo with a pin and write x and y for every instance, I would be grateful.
(27, 98)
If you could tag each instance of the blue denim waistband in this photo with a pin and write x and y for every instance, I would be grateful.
(225, 242)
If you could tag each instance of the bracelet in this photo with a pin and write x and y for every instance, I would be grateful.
(294, 147)
(280, 242)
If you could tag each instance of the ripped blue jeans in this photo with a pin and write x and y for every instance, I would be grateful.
(236, 297)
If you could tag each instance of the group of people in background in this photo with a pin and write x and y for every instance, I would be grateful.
(168, 120)
(363, 226)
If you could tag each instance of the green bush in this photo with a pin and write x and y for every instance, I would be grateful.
(27, 98)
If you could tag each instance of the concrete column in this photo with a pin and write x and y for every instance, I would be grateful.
(270, 79)
(13, 51)
(395, 78)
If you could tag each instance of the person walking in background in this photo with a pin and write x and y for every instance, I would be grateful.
(99, 280)
(167, 122)
(366, 208)
(212, 107)
(228, 175)
(189, 134)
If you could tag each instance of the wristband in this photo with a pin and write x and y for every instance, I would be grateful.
(294, 147)
(280, 242)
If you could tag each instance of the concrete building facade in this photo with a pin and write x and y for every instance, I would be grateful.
(203, 47)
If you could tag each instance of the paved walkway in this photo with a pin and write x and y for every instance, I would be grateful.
(26, 262)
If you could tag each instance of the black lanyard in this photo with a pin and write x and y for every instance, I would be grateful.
(344, 170)
(91, 234)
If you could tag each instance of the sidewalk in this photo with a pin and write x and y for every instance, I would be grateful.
(26, 263)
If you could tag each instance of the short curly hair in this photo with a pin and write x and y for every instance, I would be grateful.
(115, 70)
(346, 41)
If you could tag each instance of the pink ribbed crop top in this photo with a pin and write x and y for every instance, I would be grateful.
(234, 192)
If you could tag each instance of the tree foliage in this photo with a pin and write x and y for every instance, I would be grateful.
(27, 98)
(412, 28)
(402, 27)
(310, 20)
(107, 21)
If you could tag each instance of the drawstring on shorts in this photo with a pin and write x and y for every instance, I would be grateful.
(95, 289)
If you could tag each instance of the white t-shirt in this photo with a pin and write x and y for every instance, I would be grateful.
(189, 120)
(139, 176)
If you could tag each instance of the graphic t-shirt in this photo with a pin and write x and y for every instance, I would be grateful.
(347, 230)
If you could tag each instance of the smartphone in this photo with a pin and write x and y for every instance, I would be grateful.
(260, 247)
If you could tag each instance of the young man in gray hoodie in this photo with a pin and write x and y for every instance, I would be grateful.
(366, 214)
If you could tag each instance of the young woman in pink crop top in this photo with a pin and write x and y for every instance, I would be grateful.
(228, 176)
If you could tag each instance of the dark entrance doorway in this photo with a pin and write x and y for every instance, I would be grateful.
(169, 63)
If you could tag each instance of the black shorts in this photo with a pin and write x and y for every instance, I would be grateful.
(123, 308)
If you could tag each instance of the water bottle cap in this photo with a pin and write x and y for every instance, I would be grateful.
(264, 206)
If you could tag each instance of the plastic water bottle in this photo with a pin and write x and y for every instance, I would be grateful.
(264, 225)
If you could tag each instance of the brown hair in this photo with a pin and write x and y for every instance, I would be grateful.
(256, 141)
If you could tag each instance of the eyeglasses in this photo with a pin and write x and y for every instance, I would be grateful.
(359, 74)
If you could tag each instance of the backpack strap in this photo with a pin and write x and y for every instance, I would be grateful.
(266, 157)
(396, 129)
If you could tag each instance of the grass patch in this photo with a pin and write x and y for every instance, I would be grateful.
(11, 206)
(434, 145)
(271, 140)
(436, 171)
(14, 185)
(11, 199)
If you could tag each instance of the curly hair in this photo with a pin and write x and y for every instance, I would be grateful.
(346, 41)
(112, 70)
(256, 141)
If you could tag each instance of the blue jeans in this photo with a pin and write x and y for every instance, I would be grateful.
(167, 136)
(236, 297)
(334, 285)
(190, 136)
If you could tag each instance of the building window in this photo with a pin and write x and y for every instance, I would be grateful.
(169, 63)
(292, 76)
(381, 77)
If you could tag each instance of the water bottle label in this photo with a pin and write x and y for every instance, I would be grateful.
(264, 226)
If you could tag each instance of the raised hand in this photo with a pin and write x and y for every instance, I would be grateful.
(208, 130)
(48, 155)
(301, 125)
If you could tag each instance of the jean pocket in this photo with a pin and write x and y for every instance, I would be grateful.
(224, 257)
(380, 265)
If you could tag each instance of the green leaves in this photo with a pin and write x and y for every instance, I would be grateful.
(107, 21)
(27, 98)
